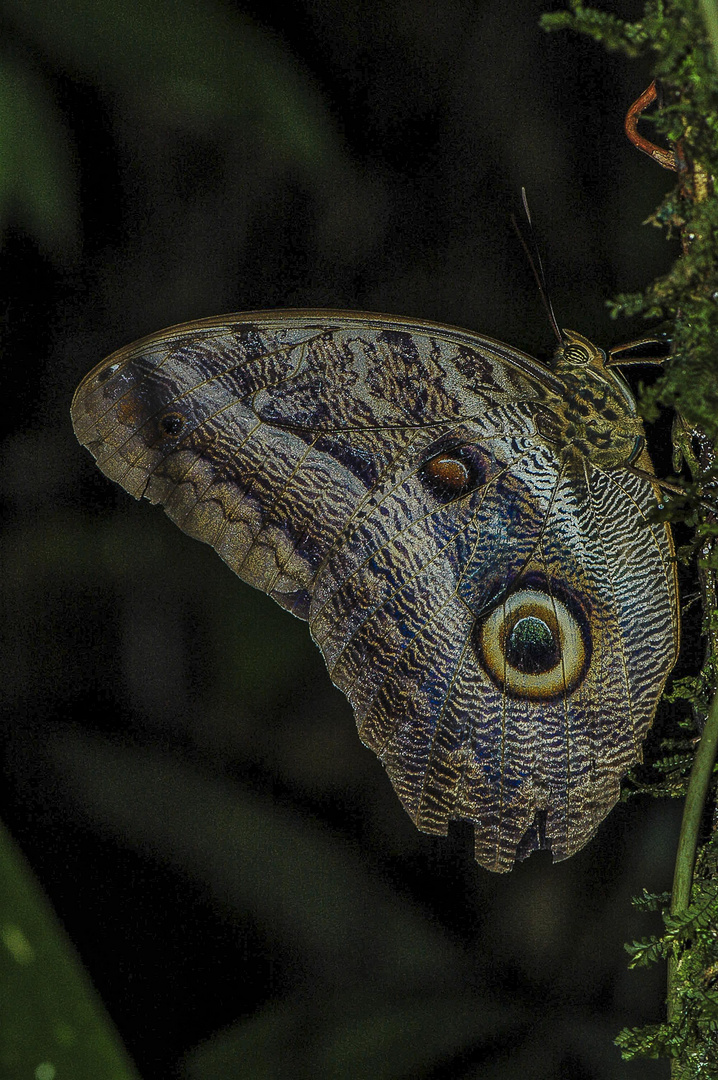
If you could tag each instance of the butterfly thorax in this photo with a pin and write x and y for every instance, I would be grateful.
(597, 417)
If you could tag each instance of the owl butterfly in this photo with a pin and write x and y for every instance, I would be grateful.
(467, 531)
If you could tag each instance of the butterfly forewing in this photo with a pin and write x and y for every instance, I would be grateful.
(501, 619)
(262, 435)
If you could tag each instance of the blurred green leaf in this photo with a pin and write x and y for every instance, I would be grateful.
(37, 182)
(296, 876)
(53, 1024)
(115, 553)
(347, 1039)
(194, 59)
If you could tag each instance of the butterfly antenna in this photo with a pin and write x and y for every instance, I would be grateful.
(534, 257)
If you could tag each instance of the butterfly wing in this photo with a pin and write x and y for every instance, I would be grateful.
(413, 614)
(304, 447)
(262, 433)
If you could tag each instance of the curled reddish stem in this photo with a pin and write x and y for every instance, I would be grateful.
(666, 158)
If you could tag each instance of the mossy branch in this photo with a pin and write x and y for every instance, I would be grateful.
(681, 37)
(675, 35)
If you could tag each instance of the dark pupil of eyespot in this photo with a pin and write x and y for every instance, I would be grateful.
(531, 646)
(171, 425)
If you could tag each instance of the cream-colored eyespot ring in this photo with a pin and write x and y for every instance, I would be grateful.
(533, 647)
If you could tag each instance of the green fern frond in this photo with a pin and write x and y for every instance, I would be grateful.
(651, 901)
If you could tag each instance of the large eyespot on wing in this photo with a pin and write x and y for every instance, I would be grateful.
(535, 645)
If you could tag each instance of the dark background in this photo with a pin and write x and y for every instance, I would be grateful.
(243, 886)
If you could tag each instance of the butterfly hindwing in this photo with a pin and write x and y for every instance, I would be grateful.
(400, 611)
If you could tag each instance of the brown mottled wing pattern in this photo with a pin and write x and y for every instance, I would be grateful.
(297, 444)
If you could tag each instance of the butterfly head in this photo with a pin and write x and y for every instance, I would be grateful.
(576, 353)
